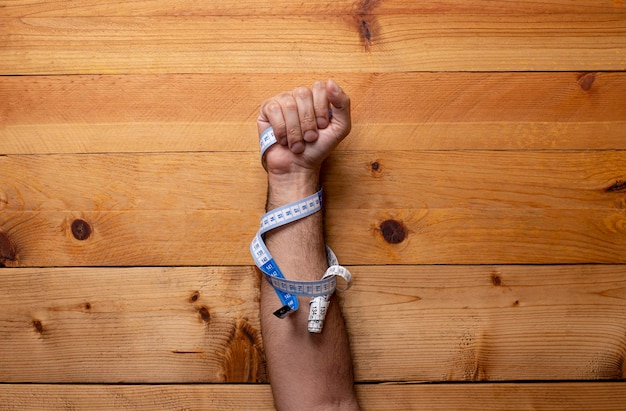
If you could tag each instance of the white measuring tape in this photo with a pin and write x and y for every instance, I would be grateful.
(289, 290)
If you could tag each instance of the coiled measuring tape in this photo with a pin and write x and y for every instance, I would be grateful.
(289, 290)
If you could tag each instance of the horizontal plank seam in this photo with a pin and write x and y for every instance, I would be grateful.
(421, 150)
(77, 267)
(359, 383)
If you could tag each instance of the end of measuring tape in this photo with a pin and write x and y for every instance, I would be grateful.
(317, 313)
(319, 305)
(283, 311)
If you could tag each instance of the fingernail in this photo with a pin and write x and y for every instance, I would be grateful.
(283, 141)
(297, 147)
(322, 122)
(310, 136)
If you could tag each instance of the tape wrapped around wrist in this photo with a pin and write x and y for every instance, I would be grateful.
(289, 290)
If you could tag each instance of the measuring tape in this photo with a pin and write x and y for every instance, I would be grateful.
(289, 290)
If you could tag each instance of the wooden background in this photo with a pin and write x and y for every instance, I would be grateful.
(480, 200)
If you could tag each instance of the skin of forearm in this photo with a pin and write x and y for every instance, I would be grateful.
(298, 357)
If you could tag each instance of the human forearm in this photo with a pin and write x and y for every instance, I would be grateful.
(308, 371)
(317, 367)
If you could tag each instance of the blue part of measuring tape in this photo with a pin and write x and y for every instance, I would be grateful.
(269, 267)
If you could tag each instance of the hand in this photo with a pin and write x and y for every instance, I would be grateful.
(305, 131)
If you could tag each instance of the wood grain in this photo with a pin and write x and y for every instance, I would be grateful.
(377, 180)
(487, 323)
(203, 208)
(437, 236)
(313, 43)
(483, 178)
(145, 238)
(61, 8)
(605, 396)
(412, 323)
(141, 325)
(177, 113)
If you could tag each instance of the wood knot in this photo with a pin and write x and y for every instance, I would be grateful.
(7, 249)
(586, 80)
(619, 185)
(81, 230)
(194, 296)
(394, 232)
(376, 168)
(366, 22)
(243, 358)
(38, 326)
(496, 280)
(205, 314)
(366, 34)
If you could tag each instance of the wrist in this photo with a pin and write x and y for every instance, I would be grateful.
(289, 187)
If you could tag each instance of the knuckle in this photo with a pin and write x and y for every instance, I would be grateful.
(321, 110)
(307, 121)
(302, 92)
(290, 104)
(272, 106)
(293, 132)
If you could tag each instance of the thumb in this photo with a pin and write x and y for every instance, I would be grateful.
(340, 122)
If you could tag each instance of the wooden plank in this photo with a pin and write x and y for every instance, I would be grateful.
(377, 180)
(411, 236)
(134, 182)
(605, 396)
(209, 397)
(391, 236)
(56, 8)
(154, 136)
(141, 325)
(313, 43)
(384, 207)
(485, 180)
(420, 323)
(144, 238)
(487, 323)
(500, 397)
(451, 111)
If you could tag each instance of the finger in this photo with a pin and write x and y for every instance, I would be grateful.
(320, 103)
(341, 106)
(306, 113)
(293, 130)
(271, 115)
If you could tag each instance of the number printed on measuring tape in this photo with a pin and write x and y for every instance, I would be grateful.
(267, 139)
